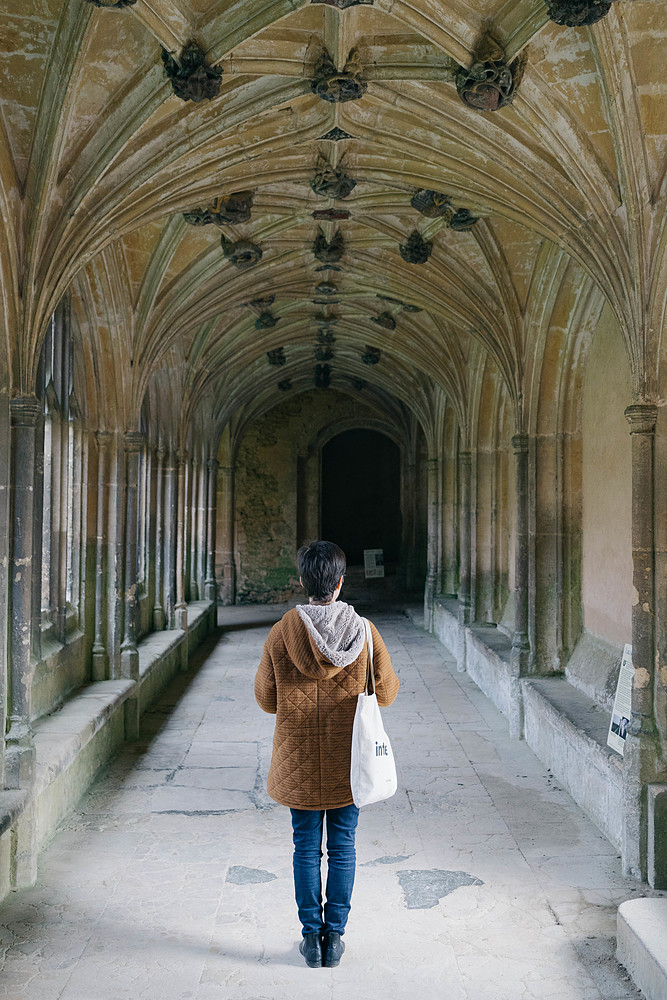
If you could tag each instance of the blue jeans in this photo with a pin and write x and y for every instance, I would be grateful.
(307, 826)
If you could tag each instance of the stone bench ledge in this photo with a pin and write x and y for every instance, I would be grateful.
(12, 804)
(491, 638)
(61, 736)
(568, 732)
(642, 944)
(449, 604)
(196, 611)
(157, 645)
(581, 712)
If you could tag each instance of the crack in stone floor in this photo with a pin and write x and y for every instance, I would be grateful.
(479, 880)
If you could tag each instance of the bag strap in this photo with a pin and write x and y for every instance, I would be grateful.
(369, 687)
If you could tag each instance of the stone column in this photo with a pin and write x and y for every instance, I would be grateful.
(20, 749)
(129, 655)
(449, 520)
(180, 609)
(520, 654)
(202, 528)
(465, 597)
(170, 505)
(210, 585)
(158, 609)
(641, 746)
(193, 491)
(228, 588)
(408, 510)
(432, 556)
(59, 564)
(99, 654)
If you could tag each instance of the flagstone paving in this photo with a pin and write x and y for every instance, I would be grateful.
(479, 880)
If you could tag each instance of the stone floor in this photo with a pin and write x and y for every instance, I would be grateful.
(479, 880)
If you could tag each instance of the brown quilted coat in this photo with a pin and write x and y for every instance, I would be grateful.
(314, 703)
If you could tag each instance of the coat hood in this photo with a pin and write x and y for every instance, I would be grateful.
(336, 633)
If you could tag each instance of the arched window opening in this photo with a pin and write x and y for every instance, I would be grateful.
(63, 502)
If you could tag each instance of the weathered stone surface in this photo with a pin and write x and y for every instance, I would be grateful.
(423, 889)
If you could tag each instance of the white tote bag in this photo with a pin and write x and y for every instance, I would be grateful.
(372, 768)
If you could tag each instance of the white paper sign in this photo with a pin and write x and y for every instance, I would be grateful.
(373, 562)
(622, 713)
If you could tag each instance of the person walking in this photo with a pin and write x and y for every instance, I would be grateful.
(313, 667)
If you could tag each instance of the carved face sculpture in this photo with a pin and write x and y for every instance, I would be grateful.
(488, 86)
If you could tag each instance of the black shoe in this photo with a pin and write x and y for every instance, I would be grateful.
(311, 949)
(332, 949)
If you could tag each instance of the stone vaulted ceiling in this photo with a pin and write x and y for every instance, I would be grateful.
(101, 162)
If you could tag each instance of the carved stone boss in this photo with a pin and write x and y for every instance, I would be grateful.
(242, 253)
(338, 87)
(229, 209)
(435, 205)
(191, 78)
(112, 4)
(328, 251)
(490, 83)
(332, 182)
(416, 250)
(577, 13)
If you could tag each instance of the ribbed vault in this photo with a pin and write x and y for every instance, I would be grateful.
(100, 161)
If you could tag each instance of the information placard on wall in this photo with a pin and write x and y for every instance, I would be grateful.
(622, 713)
(373, 562)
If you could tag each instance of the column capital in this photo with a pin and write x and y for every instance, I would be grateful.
(25, 411)
(134, 441)
(213, 464)
(103, 439)
(160, 452)
(642, 417)
(465, 457)
(181, 456)
(520, 443)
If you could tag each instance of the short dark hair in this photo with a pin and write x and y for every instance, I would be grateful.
(320, 566)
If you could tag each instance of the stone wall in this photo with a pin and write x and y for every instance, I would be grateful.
(277, 483)
(607, 488)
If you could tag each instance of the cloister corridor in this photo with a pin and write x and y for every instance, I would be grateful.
(171, 879)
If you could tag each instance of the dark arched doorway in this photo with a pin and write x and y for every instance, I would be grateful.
(361, 508)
